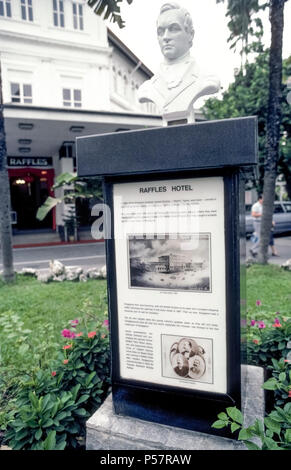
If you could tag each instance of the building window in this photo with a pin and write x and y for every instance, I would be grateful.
(67, 150)
(26, 10)
(21, 93)
(58, 13)
(78, 18)
(5, 8)
(72, 97)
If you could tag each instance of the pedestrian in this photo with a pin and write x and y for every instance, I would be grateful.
(256, 213)
(271, 242)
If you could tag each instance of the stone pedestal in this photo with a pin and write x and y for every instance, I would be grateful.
(109, 431)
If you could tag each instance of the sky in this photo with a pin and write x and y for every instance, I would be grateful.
(210, 47)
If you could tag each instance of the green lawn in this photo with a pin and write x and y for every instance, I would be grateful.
(33, 315)
(56, 302)
(271, 285)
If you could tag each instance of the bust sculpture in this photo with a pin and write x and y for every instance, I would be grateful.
(179, 82)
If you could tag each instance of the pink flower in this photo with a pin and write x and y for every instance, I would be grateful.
(256, 341)
(68, 334)
(54, 373)
(65, 361)
(258, 303)
(253, 322)
(106, 323)
(92, 334)
(289, 394)
(79, 334)
(74, 323)
(276, 325)
(68, 346)
(287, 360)
(262, 324)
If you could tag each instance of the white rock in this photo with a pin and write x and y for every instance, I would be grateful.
(94, 273)
(44, 277)
(72, 275)
(28, 271)
(83, 277)
(60, 278)
(57, 267)
(287, 264)
(74, 269)
(103, 272)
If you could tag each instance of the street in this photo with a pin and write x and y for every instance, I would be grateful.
(85, 255)
(93, 255)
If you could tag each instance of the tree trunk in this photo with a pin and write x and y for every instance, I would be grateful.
(288, 185)
(273, 124)
(5, 206)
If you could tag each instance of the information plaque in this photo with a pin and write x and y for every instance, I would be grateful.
(171, 282)
(174, 201)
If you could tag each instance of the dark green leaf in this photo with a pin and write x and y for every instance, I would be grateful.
(219, 424)
(234, 427)
(251, 445)
(271, 384)
(244, 434)
(270, 443)
(38, 434)
(235, 414)
(272, 425)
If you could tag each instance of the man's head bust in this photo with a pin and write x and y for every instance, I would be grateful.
(179, 82)
(175, 31)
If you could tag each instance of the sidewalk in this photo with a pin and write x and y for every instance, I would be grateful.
(51, 238)
(283, 246)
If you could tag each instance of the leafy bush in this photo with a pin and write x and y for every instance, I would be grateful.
(52, 408)
(274, 433)
(268, 342)
(280, 382)
(269, 347)
(52, 412)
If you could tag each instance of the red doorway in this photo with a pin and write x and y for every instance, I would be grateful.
(29, 189)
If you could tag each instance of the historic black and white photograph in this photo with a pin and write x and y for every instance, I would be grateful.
(182, 263)
(187, 357)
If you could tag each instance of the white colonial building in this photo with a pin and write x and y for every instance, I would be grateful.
(64, 74)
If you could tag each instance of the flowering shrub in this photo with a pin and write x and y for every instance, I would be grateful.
(267, 342)
(53, 407)
(269, 346)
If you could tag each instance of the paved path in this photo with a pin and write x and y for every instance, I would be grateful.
(283, 246)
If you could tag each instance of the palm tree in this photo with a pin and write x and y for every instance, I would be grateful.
(110, 8)
(5, 211)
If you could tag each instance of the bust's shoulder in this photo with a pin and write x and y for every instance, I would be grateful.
(209, 77)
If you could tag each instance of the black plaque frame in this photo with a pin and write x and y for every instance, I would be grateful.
(189, 409)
